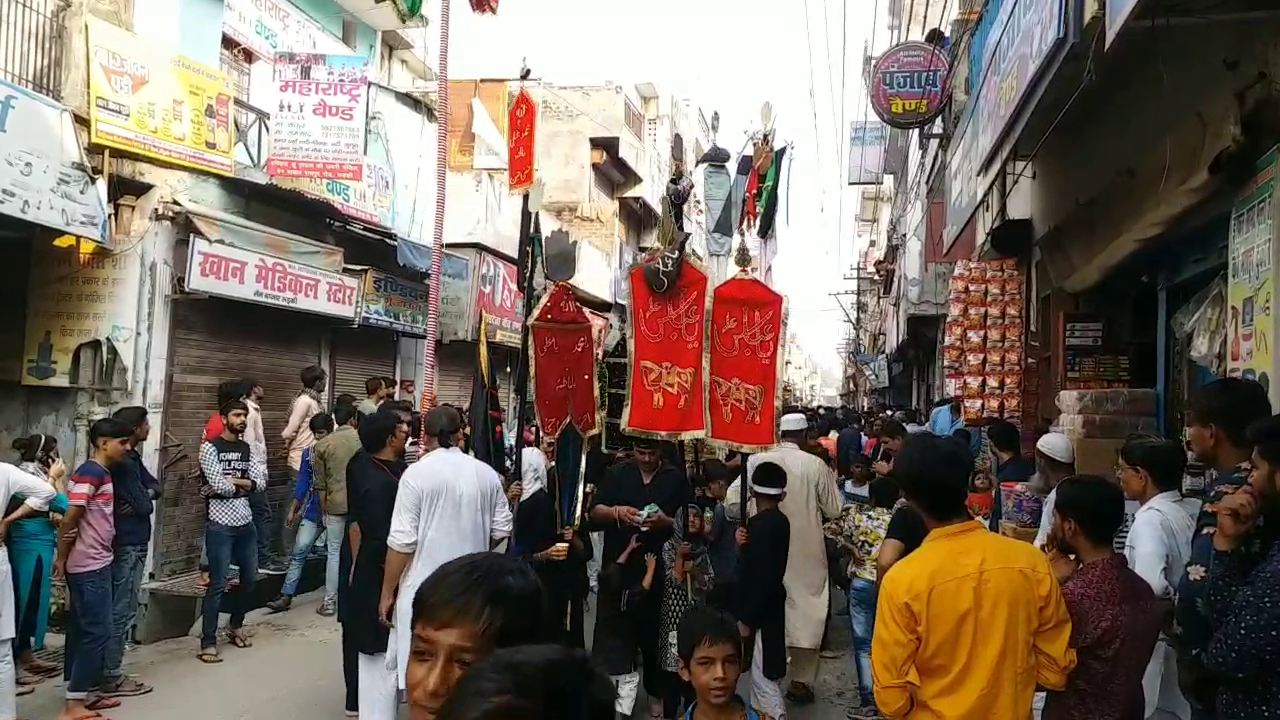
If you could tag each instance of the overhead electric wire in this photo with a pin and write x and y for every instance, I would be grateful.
(813, 102)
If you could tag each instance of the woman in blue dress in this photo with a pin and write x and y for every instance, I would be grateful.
(31, 543)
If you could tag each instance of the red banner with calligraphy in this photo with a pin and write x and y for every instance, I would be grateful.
(744, 351)
(522, 120)
(563, 365)
(666, 388)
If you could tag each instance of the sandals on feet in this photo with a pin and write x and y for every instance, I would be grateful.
(101, 702)
(209, 656)
(125, 687)
(240, 639)
(24, 690)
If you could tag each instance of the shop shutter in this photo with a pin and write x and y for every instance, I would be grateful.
(213, 341)
(359, 354)
(455, 373)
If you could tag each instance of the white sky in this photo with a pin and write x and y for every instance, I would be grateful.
(729, 56)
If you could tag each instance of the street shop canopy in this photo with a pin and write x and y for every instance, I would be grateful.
(248, 235)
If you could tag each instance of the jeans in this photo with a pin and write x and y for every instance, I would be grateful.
(226, 545)
(126, 582)
(335, 528)
(862, 620)
(89, 630)
(308, 532)
(262, 525)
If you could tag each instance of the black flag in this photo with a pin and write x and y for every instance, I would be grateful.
(485, 410)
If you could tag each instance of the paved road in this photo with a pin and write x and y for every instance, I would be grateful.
(294, 671)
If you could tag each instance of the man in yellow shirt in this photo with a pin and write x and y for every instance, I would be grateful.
(969, 624)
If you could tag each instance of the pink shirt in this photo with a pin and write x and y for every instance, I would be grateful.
(91, 488)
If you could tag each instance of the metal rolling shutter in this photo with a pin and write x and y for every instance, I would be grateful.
(359, 354)
(455, 373)
(214, 341)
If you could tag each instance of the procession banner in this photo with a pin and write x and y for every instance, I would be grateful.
(321, 113)
(744, 358)
(563, 365)
(522, 120)
(231, 272)
(168, 108)
(666, 382)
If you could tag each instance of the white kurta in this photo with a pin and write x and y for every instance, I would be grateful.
(449, 504)
(812, 495)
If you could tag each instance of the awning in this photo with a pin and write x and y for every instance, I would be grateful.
(249, 235)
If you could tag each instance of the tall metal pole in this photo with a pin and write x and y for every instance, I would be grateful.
(528, 226)
(437, 233)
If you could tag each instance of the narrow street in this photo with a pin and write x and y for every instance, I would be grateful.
(294, 671)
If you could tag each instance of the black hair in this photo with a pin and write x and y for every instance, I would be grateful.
(249, 384)
(822, 427)
(108, 429)
(373, 385)
(772, 472)
(910, 416)
(228, 391)
(493, 593)
(963, 435)
(883, 492)
(321, 422)
(133, 416)
(860, 459)
(344, 414)
(1264, 436)
(404, 406)
(312, 375)
(714, 470)
(1095, 503)
(933, 473)
(1231, 405)
(535, 682)
(1164, 460)
(344, 399)
(891, 429)
(1004, 436)
(705, 626)
(231, 406)
(377, 429)
(442, 424)
(29, 448)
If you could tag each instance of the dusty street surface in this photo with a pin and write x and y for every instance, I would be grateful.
(294, 670)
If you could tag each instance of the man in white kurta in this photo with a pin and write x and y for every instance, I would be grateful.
(449, 504)
(38, 494)
(812, 497)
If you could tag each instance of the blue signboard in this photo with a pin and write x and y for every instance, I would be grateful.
(1021, 40)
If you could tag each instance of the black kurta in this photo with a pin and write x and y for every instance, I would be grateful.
(536, 530)
(762, 598)
(371, 492)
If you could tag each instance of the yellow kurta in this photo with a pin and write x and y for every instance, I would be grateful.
(812, 498)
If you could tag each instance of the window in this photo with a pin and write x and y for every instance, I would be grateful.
(633, 119)
(349, 32)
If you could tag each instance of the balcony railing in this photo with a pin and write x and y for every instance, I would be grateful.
(253, 135)
(32, 36)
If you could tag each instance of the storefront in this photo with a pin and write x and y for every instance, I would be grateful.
(491, 295)
(393, 312)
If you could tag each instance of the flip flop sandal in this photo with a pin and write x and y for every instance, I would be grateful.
(209, 656)
(90, 716)
(102, 702)
(240, 640)
(26, 678)
(127, 687)
(24, 690)
(40, 666)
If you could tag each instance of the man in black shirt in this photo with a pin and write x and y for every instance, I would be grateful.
(620, 507)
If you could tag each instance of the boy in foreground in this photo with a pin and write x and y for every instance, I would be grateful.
(762, 601)
(710, 649)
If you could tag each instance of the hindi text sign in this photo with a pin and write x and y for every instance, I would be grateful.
(394, 303)
(267, 27)
(498, 300)
(909, 84)
(231, 272)
(319, 124)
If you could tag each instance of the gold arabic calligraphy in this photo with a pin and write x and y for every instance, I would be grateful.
(754, 334)
(660, 379)
(734, 393)
(678, 318)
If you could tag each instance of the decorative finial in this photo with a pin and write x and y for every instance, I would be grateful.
(742, 257)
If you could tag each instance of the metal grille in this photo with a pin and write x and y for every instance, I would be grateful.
(31, 40)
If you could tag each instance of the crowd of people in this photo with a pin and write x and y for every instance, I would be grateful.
(698, 573)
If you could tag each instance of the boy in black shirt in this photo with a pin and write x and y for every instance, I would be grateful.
(762, 597)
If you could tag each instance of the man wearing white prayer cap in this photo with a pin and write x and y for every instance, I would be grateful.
(812, 497)
(1055, 461)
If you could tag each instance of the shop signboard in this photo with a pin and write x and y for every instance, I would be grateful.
(498, 300)
(371, 200)
(231, 272)
(867, 144)
(455, 297)
(76, 296)
(322, 108)
(267, 27)
(909, 84)
(1251, 328)
(163, 107)
(393, 303)
(43, 176)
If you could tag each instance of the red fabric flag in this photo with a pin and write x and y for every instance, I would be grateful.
(744, 349)
(563, 365)
(666, 385)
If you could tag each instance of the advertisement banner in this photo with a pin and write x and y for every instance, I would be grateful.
(455, 297)
(322, 110)
(394, 303)
(498, 300)
(74, 298)
(371, 200)
(267, 27)
(744, 360)
(43, 176)
(563, 365)
(867, 141)
(168, 108)
(231, 272)
(1250, 281)
(666, 381)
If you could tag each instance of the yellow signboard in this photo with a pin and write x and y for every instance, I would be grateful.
(1250, 284)
(164, 107)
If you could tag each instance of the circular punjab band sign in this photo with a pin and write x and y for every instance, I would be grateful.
(908, 84)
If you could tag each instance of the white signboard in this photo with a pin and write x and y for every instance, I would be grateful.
(318, 123)
(43, 176)
(267, 27)
(867, 141)
(232, 272)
